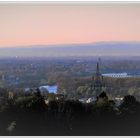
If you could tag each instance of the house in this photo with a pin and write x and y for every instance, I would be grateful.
(88, 100)
(118, 101)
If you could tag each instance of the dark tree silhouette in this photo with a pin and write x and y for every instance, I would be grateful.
(103, 95)
(130, 104)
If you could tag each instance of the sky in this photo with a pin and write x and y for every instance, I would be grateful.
(63, 23)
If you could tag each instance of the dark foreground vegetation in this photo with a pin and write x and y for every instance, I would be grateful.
(31, 116)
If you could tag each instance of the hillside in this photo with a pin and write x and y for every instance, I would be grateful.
(91, 49)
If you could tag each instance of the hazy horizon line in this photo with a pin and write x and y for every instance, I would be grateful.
(73, 43)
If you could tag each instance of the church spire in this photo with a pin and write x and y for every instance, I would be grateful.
(98, 69)
(98, 79)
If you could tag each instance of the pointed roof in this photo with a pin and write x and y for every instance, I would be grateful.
(98, 69)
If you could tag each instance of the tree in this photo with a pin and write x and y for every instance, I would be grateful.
(103, 95)
(129, 99)
(102, 100)
(129, 104)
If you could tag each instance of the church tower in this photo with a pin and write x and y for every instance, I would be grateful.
(98, 83)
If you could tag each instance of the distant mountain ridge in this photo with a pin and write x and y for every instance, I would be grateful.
(115, 48)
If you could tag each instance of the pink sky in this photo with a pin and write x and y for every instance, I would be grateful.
(28, 24)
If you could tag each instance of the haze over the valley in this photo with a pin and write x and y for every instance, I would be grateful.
(87, 49)
(71, 25)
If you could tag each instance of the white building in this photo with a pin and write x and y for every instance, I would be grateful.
(87, 100)
(116, 75)
(118, 101)
(50, 89)
(83, 100)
